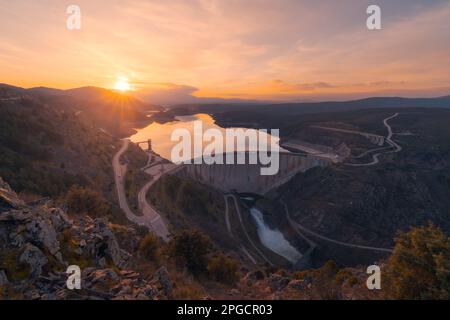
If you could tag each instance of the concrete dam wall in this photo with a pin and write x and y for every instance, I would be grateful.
(247, 177)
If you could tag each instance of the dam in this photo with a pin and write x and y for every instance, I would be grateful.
(246, 178)
(242, 178)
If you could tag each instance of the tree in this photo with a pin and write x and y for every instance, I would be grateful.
(223, 269)
(419, 267)
(149, 247)
(190, 248)
(84, 200)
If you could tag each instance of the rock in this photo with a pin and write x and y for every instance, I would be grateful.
(141, 296)
(255, 275)
(103, 243)
(129, 274)
(150, 291)
(33, 295)
(42, 230)
(8, 198)
(87, 271)
(233, 292)
(102, 262)
(298, 284)
(34, 258)
(3, 278)
(164, 280)
(49, 296)
(277, 282)
(34, 232)
(105, 275)
(126, 290)
(17, 240)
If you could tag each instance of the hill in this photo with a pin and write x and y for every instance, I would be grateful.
(368, 204)
(112, 111)
(262, 115)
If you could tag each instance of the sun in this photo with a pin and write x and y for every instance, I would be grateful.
(122, 84)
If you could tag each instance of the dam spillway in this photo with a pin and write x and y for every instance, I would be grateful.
(247, 178)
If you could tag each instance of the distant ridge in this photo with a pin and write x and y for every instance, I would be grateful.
(308, 107)
(102, 95)
(113, 111)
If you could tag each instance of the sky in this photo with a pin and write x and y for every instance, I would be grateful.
(188, 50)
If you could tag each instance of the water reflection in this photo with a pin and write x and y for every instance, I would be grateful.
(160, 134)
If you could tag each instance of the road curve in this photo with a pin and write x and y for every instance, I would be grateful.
(376, 156)
(228, 224)
(341, 243)
(149, 218)
(10, 99)
(149, 213)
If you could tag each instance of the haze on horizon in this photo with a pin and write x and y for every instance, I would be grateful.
(183, 51)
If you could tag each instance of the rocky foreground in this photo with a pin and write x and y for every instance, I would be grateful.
(39, 241)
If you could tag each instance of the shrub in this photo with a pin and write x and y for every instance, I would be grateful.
(191, 248)
(15, 270)
(419, 267)
(223, 269)
(149, 247)
(84, 200)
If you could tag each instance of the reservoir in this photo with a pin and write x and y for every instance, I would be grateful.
(160, 134)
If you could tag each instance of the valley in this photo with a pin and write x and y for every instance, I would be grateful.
(224, 150)
(348, 182)
(347, 147)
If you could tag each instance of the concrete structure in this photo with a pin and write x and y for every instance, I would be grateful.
(148, 142)
(374, 138)
(247, 177)
(338, 154)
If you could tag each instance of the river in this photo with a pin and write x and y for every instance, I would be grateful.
(273, 239)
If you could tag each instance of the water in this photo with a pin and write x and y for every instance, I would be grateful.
(274, 239)
(160, 134)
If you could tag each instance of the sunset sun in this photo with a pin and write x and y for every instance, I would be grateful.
(122, 84)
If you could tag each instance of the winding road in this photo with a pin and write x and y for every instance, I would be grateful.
(341, 243)
(150, 218)
(376, 156)
(10, 99)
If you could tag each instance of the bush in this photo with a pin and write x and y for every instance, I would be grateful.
(223, 269)
(191, 248)
(149, 248)
(419, 267)
(82, 200)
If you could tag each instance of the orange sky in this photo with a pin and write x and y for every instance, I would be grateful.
(279, 50)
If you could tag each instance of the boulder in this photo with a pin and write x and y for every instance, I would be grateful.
(34, 258)
(277, 282)
(298, 284)
(164, 280)
(8, 198)
(3, 278)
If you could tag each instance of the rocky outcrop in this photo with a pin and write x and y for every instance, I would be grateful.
(34, 257)
(3, 278)
(39, 241)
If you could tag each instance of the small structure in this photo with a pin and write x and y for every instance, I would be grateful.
(148, 142)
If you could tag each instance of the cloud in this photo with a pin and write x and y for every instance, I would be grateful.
(167, 93)
(313, 86)
(228, 48)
